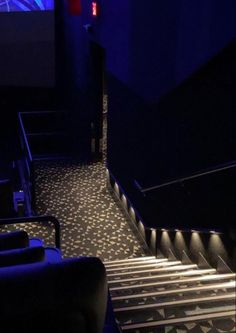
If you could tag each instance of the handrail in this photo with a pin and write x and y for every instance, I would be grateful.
(38, 219)
(4, 181)
(28, 161)
(42, 112)
(25, 138)
(180, 180)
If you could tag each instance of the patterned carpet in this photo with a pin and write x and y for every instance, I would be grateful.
(92, 222)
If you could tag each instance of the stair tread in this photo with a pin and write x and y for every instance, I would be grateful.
(231, 296)
(226, 285)
(137, 262)
(195, 272)
(129, 259)
(172, 312)
(175, 267)
(149, 294)
(146, 265)
(194, 318)
(205, 278)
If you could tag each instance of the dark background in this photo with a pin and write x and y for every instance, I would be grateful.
(170, 77)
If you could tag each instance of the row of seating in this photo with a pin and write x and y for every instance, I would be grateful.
(40, 291)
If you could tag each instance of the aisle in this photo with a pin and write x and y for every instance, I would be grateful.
(92, 223)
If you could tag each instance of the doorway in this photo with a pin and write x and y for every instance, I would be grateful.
(99, 100)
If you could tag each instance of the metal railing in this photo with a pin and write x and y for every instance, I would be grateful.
(27, 159)
(37, 219)
(214, 170)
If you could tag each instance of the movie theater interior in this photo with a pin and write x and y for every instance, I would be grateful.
(117, 166)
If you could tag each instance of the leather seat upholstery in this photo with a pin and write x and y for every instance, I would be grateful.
(22, 256)
(69, 296)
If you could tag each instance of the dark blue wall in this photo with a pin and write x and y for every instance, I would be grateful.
(151, 47)
(27, 56)
(172, 39)
(162, 121)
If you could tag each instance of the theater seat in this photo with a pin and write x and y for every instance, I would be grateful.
(68, 296)
(41, 292)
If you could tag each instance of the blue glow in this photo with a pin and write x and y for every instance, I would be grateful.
(25, 5)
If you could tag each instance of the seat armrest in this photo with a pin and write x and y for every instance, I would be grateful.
(22, 256)
(37, 219)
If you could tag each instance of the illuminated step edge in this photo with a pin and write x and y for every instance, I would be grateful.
(138, 262)
(175, 321)
(129, 260)
(165, 269)
(162, 276)
(226, 297)
(227, 285)
(146, 265)
(164, 282)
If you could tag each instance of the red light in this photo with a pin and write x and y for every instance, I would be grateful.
(94, 8)
(75, 7)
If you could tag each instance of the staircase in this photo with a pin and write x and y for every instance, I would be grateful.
(166, 295)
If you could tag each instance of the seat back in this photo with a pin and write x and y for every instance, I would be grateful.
(69, 296)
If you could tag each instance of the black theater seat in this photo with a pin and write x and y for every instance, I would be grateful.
(45, 293)
(68, 296)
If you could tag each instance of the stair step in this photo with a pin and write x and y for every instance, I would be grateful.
(176, 321)
(226, 285)
(178, 281)
(146, 265)
(156, 270)
(181, 274)
(129, 260)
(175, 303)
(174, 311)
(149, 261)
(150, 295)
